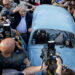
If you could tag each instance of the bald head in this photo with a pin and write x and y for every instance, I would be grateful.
(6, 4)
(5, 1)
(7, 46)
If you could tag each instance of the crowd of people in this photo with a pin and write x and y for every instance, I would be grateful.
(18, 14)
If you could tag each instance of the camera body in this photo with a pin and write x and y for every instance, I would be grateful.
(5, 30)
(49, 52)
(5, 13)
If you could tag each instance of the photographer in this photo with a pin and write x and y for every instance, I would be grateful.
(8, 8)
(69, 5)
(71, 8)
(37, 69)
(4, 29)
(2, 20)
(63, 3)
(10, 58)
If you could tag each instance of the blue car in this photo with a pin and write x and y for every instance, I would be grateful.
(58, 25)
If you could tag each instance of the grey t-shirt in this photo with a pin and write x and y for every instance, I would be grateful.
(15, 60)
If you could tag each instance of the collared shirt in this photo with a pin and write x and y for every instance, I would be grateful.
(22, 26)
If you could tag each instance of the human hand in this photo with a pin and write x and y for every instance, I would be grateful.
(33, 6)
(31, 9)
(29, 30)
(16, 9)
(18, 45)
(55, 4)
(16, 32)
(26, 61)
(59, 66)
(43, 66)
(59, 62)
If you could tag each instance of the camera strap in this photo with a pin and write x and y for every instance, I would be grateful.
(49, 73)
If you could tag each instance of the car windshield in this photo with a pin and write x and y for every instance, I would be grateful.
(42, 36)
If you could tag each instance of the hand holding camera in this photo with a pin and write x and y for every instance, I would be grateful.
(50, 59)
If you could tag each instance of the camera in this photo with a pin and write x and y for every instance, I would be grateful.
(49, 52)
(6, 30)
(5, 13)
(49, 57)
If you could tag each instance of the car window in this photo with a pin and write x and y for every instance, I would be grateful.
(42, 36)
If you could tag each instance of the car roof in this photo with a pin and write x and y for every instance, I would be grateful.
(52, 17)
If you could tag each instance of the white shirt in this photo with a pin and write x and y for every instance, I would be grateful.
(22, 28)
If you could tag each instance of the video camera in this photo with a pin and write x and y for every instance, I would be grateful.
(49, 57)
(5, 13)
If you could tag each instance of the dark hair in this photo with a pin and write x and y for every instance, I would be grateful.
(45, 2)
(68, 72)
(70, 0)
(17, 1)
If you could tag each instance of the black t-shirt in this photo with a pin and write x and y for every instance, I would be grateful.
(1, 8)
(14, 61)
